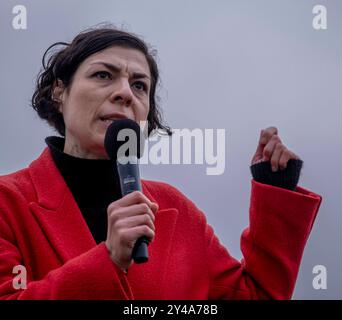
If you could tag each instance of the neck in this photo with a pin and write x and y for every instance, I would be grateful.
(74, 149)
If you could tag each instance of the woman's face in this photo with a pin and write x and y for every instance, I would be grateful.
(112, 83)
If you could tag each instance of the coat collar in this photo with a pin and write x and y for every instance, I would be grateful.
(66, 230)
(50, 185)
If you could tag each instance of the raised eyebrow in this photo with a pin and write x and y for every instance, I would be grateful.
(115, 69)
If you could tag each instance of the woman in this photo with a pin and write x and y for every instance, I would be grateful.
(64, 220)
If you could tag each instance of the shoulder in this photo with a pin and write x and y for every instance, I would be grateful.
(24, 182)
(16, 185)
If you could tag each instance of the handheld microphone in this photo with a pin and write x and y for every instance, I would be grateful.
(124, 144)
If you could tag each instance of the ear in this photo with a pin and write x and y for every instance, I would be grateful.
(58, 93)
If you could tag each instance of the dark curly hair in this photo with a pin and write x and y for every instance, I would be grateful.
(63, 64)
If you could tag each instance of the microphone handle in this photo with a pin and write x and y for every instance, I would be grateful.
(130, 182)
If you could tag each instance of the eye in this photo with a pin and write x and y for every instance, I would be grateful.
(140, 85)
(102, 75)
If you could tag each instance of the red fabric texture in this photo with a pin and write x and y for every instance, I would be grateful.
(42, 228)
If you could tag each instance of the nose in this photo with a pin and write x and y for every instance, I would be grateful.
(122, 93)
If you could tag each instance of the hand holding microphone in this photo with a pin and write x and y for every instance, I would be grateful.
(131, 218)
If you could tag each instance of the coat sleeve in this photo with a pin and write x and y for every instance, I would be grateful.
(272, 246)
(91, 275)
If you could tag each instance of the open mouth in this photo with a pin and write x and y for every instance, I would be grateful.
(107, 119)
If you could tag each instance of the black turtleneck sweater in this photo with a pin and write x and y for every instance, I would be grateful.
(95, 183)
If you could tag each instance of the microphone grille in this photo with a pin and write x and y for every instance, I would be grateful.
(133, 137)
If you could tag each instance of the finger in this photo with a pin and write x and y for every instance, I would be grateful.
(135, 233)
(155, 207)
(284, 159)
(133, 210)
(135, 221)
(268, 134)
(135, 197)
(269, 148)
(265, 137)
(258, 152)
(278, 150)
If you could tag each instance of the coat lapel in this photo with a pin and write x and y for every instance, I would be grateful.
(62, 222)
(57, 212)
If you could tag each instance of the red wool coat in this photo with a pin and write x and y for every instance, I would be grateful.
(42, 228)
